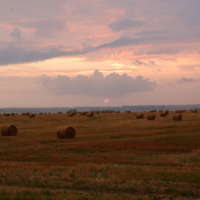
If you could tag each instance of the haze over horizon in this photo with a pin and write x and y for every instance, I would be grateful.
(59, 53)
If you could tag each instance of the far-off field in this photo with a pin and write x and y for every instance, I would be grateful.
(113, 156)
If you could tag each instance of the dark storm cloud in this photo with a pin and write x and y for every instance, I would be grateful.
(13, 55)
(124, 24)
(121, 42)
(186, 80)
(97, 85)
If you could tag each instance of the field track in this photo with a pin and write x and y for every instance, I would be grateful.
(113, 156)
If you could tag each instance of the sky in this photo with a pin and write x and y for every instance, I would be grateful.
(66, 53)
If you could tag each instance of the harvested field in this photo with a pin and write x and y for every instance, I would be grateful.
(113, 156)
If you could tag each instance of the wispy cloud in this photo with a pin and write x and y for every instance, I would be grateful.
(187, 80)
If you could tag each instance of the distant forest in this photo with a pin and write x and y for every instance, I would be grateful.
(120, 108)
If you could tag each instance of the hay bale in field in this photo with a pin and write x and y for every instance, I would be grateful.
(97, 112)
(118, 111)
(59, 113)
(9, 130)
(151, 117)
(66, 132)
(140, 116)
(40, 113)
(27, 114)
(128, 111)
(31, 115)
(178, 111)
(6, 114)
(23, 114)
(152, 111)
(177, 117)
(183, 110)
(74, 113)
(163, 114)
(70, 115)
(49, 113)
(90, 114)
(83, 113)
(194, 110)
(166, 111)
(12, 114)
(160, 110)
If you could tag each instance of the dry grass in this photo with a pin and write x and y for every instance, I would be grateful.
(114, 156)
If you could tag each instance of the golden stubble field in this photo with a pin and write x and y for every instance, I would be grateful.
(114, 156)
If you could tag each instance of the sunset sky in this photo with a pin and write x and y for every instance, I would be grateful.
(99, 52)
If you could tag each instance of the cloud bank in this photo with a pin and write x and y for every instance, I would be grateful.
(113, 85)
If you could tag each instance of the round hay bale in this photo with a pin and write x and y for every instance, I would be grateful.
(70, 115)
(90, 114)
(151, 117)
(178, 111)
(74, 113)
(59, 113)
(66, 132)
(83, 113)
(96, 112)
(31, 115)
(23, 114)
(177, 117)
(160, 110)
(152, 111)
(9, 130)
(166, 111)
(49, 113)
(163, 114)
(118, 111)
(140, 116)
(27, 114)
(6, 114)
(12, 114)
(128, 111)
(40, 113)
(194, 110)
